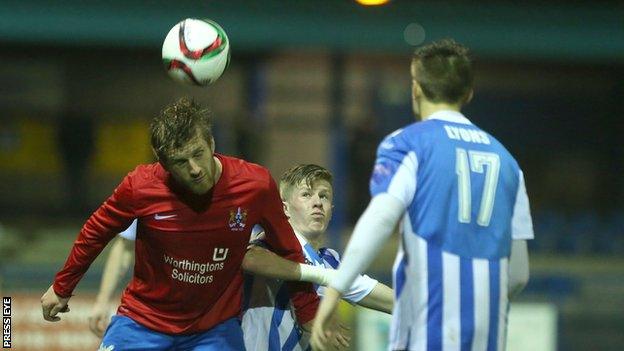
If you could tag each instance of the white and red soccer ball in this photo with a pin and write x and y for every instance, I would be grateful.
(196, 51)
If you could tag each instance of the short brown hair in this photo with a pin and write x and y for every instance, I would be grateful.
(443, 71)
(178, 123)
(308, 173)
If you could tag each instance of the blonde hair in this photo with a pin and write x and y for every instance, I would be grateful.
(308, 173)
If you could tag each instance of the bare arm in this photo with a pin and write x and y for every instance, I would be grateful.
(522, 230)
(117, 264)
(116, 267)
(518, 267)
(261, 261)
(381, 298)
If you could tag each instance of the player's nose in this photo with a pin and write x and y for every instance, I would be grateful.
(194, 168)
(316, 201)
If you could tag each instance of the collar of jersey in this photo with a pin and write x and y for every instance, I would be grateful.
(450, 116)
(301, 238)
(308, 248)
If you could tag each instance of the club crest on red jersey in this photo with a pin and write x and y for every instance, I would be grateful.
(237, 219)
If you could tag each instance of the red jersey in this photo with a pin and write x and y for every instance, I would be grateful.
(189, 248)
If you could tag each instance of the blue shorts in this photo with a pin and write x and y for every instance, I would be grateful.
(125, 335)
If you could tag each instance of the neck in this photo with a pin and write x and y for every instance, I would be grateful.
(316, 240)
(428, 108)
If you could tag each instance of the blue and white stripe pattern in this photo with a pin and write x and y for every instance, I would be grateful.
(268, 320)
(465, 201)
(452, 303)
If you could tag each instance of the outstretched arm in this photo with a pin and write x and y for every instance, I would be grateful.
(117, 264)
(115, 214)
(381, 298)
(261, 261)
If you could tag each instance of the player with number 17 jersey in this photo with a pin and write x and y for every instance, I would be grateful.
(189, 248)
(450, 274)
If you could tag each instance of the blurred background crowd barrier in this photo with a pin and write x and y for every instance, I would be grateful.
(321, 82)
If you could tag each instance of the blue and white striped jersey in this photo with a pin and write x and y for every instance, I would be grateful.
(268, 318)
(465, 201)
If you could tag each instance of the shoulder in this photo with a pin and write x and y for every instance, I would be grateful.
(242, 169)
(147, 171)
(417, 128)
(146, 175)
(406, 138)
(502, 150)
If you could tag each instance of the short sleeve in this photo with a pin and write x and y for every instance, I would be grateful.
(130, 233)
(521, 222)
(395, 169)
(362, 285)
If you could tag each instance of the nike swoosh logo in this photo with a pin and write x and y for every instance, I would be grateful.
(159, 217)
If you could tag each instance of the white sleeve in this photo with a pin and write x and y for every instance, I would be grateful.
(395, 173)
(521, 222)
(130, 233)
(257, 233)
(371, 231)
(361, 287)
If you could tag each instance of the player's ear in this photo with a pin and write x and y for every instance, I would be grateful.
(416, 89)
(469, 96)
(212, 144)
(162, 163)
(285, 205)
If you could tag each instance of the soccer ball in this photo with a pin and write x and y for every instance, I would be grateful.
(196, 51)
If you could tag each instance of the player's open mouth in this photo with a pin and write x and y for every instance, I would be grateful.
(200, 179)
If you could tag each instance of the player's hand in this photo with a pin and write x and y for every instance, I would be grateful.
(339, 336)
(99, 318)
(52, 304)
(323, 335)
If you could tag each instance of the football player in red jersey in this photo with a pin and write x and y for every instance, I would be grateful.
(257, 261)
(195, 211)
